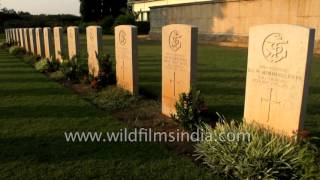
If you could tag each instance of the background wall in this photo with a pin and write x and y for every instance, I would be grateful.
(227, 22)
(143, 6)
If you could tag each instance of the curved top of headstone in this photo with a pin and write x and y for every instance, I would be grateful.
(72, 26)
(269, 27)
(91, 27)
(178, 26)
(125, 26)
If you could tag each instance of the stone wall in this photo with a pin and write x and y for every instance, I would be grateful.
(227, 22)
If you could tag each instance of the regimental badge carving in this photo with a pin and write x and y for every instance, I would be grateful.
(175, 40)
(122, 38)
(274, 48)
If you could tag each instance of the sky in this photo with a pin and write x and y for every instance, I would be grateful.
(43, 6)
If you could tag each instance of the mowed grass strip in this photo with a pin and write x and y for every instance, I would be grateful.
(34, 114)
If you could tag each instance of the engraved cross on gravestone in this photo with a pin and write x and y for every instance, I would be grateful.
(175, 83)
(270, 101)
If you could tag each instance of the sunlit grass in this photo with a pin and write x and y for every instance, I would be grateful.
(34, 114)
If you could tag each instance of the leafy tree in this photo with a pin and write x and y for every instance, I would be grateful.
(9, 18)
(95, 10)
(88, 10)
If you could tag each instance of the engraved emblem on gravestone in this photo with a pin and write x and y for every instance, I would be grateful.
(175, 40)
(274, 48)
(122, 38)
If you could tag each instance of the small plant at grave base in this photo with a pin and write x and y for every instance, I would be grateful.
(253, 152)
(93, 82)
(106, 74)
(4, 45)
(54, 65)
(188, 110)
(17, 51)
(72, 69)
(31, 59)
(42, 65)
(57, 75)
(113, 98)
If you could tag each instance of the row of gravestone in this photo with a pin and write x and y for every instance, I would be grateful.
(48, 44)
(278, 69)
(39, 41)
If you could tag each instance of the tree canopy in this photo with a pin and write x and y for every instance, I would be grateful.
(9, 18)
(95, 10)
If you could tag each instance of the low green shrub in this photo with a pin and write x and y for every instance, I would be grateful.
(54, 65)
(256, 153)
(32, 59)
(4, 45)
(17, 51)
(106, 24)
(42, 65)
(106, 73)
(113, 98)
(125, 19)
(83, 25)
(72, 70)
(189, 108)
(58, 75)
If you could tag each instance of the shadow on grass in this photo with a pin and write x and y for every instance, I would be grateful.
(314, 90)
(152, 91)
(229, 111)
(16, 72)
(46, 111)
(36, 91)
(220, 70)
(212, 79)
(55, 149)
(11, 66)
(210, 90)
(21, 80)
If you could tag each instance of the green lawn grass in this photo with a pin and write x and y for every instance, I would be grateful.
(34, 114)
